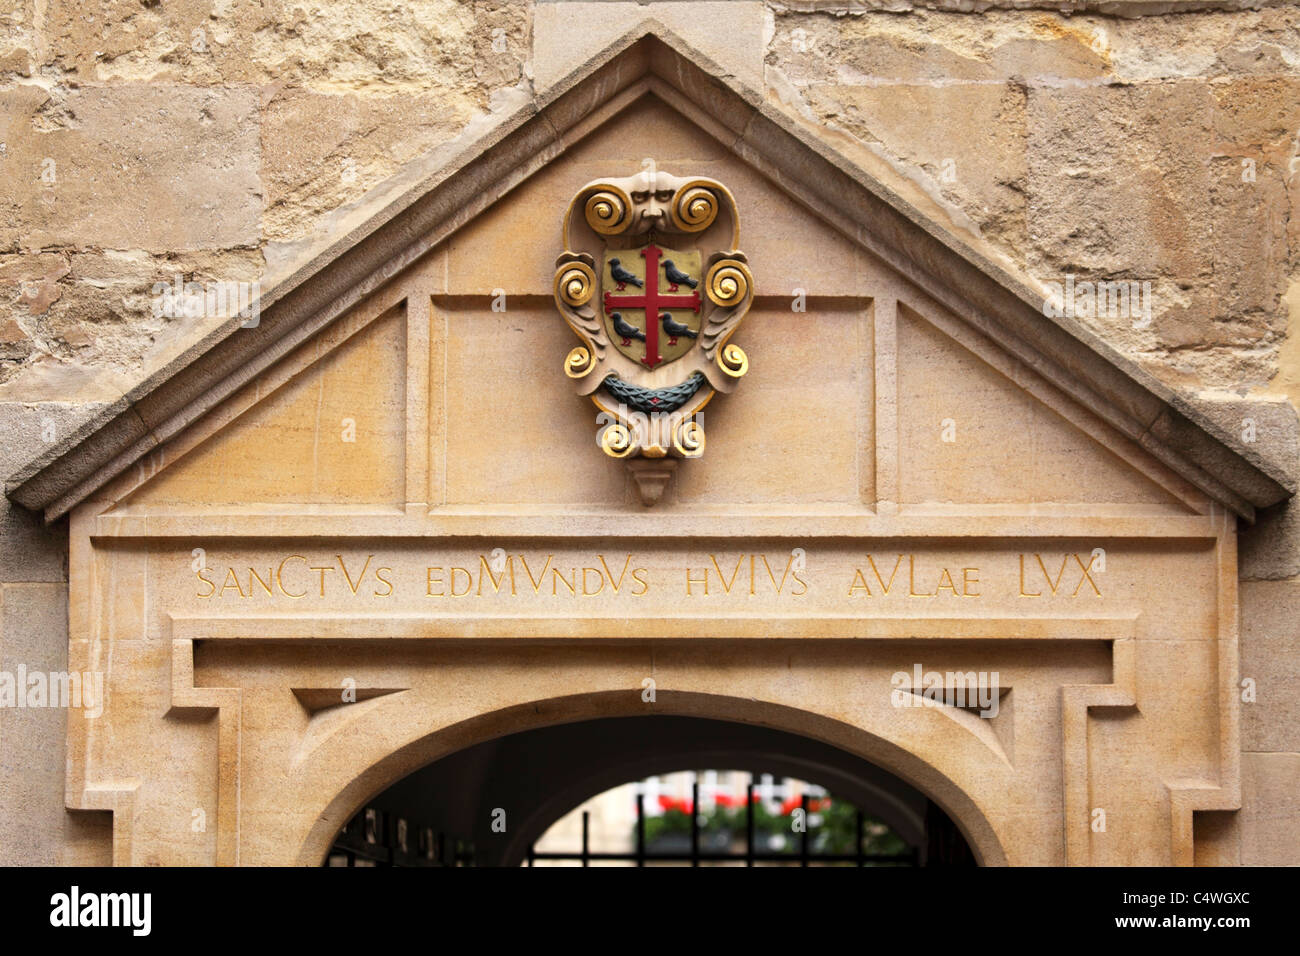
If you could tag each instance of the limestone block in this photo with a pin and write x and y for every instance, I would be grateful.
(1270, 815)
(121, 40)
(932, 48)
(320, 151)
(1133, 200)
(374, 45)
(101, 314)
(968, 139)
(567, 34)
(1269, 549)
(329, 45)
(931, 44)
(1255, 121)
(329, 433)
(1270, 657)
(179, 163)
(1150, 196)
(33, 279)
(32, 738)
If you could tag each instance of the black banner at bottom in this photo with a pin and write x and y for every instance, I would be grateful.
(332, 905)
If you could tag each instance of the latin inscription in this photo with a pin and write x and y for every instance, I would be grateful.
(708, 576)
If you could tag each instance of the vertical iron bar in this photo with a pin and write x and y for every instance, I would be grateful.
(857, 851)
(586, 819)
(695, 823)
(640, 829)
(749, 822)
(803, 837)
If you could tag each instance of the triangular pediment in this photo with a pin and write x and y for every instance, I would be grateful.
(320, 429)
(381, 377)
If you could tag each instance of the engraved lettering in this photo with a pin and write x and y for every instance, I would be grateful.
(619, 583)
(322, 569)
(773, 576)
(911, 579)
(537, 581)
(946, 576)
(1086, 568)
(212, 587)
(1059, 574)
(469, 582)
(1023, 592)
(637, 577)
(361, 577)
(231, 577)
(485, 567)
(430, 581)
(571, 583)
(690, 580)
(266, 585)
(883, 586)
(726, 585)
(279, 577)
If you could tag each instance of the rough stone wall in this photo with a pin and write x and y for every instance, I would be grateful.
(141, 139)
(1162, 148)
(147, 139)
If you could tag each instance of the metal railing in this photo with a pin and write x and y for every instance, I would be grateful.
(804, 855)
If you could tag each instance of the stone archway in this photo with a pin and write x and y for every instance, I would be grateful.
(538, 776)
(774, 755)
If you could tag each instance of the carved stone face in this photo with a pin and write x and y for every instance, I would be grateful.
(652, 194)
(650, 197)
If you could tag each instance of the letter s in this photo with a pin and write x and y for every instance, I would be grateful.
(212, 588)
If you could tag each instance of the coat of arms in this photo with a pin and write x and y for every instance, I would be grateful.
(652, 284)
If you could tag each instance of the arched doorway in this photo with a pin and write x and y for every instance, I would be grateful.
(487, 804)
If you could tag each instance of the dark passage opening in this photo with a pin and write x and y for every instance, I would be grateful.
(808, 803)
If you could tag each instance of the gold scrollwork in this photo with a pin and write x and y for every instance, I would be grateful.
(616, 441)
(575, 283)
(608, 210)
(733, 361)
(694, 207)
(578, 362)
(688, 438)
(728, 282)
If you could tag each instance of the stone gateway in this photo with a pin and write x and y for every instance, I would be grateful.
(411, 510)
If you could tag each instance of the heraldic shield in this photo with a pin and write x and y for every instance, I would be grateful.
(652, 284)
